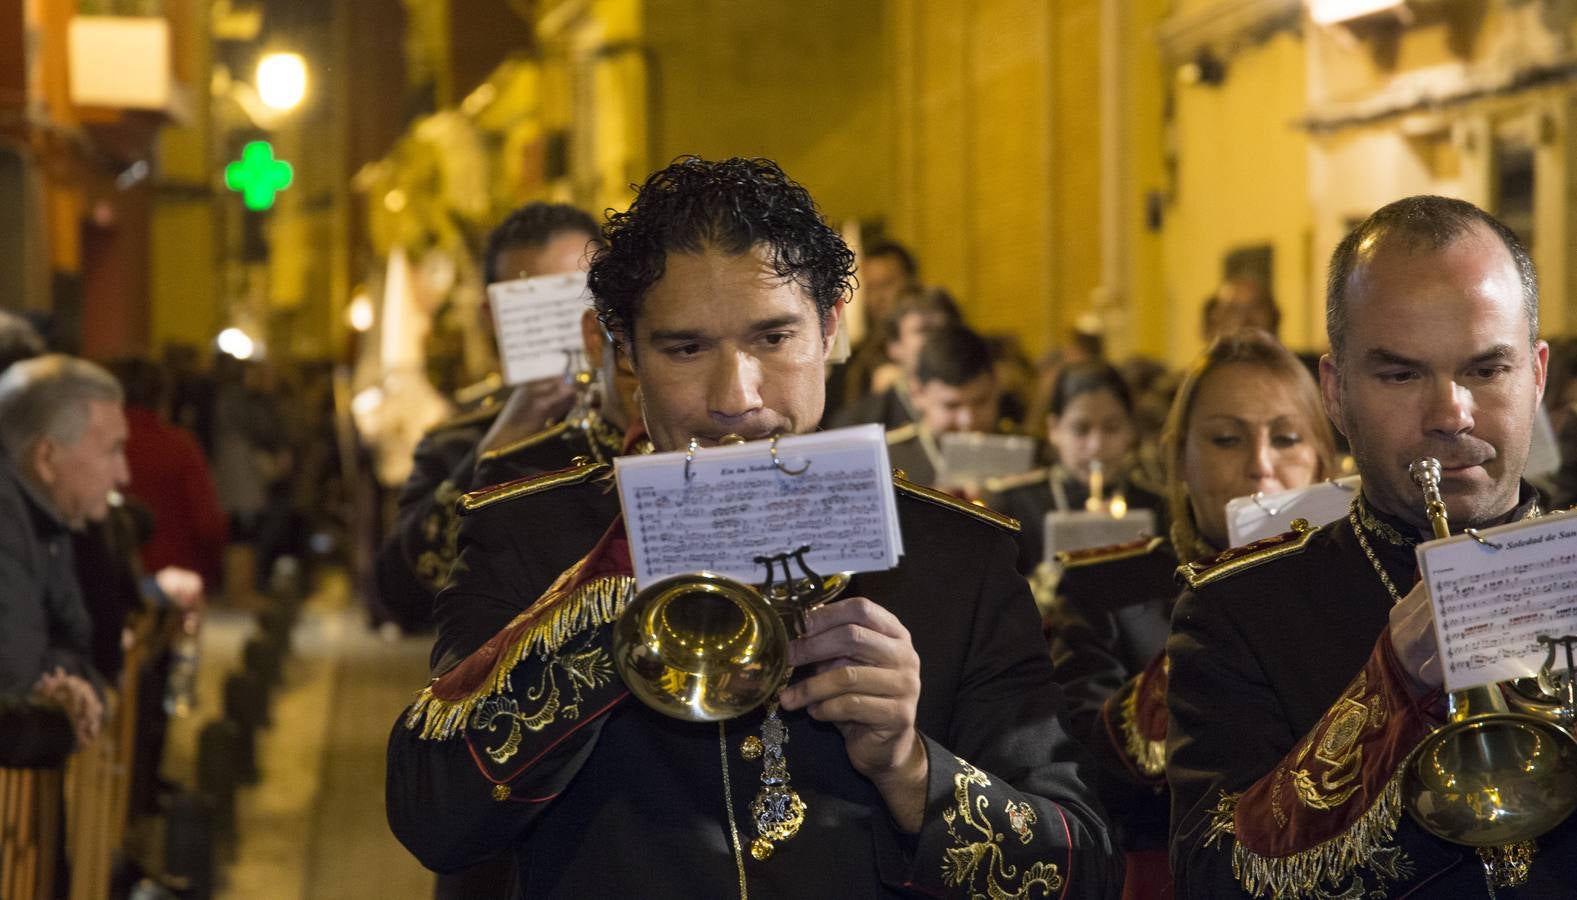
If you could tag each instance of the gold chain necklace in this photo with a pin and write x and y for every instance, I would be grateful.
(1368, 551)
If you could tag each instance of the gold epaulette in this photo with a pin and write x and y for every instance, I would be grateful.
(1022, 479)
(902, 433)
(479, 392)
(531, 484)
(530, 440)
(1144, 546)
(978, 510)
(1229, 562)
(472, 417)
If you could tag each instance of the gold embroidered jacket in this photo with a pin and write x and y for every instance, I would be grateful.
(600, 796)
(1289, 722)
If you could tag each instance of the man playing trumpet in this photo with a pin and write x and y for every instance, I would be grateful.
(1287, 767)
(723, 286)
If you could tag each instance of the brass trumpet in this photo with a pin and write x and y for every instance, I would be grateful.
(704, 647)
(1488, 778)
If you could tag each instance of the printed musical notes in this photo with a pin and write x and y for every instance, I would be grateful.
(739, 504)
(1493, 599)
(538, 324)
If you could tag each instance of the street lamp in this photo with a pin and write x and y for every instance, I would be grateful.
(282, 80)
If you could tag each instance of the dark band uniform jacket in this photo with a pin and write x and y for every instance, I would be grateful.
(532, 742)
(1290, 723)
(1028, 497)
(414, 562)
(1107, 629)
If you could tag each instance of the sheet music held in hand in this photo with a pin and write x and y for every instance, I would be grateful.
(739, 504)
(1266, 515)
(538, 324)
(1492, 604)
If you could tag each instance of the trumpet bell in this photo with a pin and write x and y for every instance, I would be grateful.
(1492, 779)
(701, 647)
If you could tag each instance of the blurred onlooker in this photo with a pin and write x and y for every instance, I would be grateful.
(1560, 402)
(887, 272)
(63, 436)
(170, 476)
(954, 391)
(917, 314)
(191, 401)
(1241, 301)
(1015, 379)
(19, 340)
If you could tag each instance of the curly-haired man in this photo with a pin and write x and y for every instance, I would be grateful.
(955, 778)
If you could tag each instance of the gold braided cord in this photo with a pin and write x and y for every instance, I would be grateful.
(728, 804)
(592, 605)
(1330, 862)
(1149, 756)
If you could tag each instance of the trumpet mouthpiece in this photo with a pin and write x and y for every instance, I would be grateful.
(1425, 471)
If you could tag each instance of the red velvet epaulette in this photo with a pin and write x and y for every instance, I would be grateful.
(1201, 572)
(1139, 546)
(1332, 804)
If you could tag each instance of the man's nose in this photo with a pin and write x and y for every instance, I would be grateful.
(735, 385)
(1450, 410)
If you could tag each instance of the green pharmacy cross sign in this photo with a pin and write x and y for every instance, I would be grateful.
(258, 176)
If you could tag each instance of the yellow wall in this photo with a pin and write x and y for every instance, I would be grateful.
(184, 290)
(803, 83)
(1242, 179)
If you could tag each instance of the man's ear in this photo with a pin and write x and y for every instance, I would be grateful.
(829, 329)
(44, 460)
(591, 336)
(1541, 367)
(1331, 392)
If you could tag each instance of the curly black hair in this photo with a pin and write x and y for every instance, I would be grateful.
(734, 205)
(533, 225)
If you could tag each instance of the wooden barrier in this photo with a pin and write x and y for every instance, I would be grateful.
(30, 810)
(91, 796)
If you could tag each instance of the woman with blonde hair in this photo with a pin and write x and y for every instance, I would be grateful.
(1246, 418)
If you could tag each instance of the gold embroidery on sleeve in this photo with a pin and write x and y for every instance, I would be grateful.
(1148, 756)
(968, 860)
(584, 669)
(441, 530)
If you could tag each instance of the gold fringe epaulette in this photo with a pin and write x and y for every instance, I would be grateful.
(977, 510)
(1148, 756)
(902, 433)
(473, 417)
(1144, 546)
(530, 440)
(1229, 562)
(592, 605)
(1014, 482)
(1322, 869)
(531, 484)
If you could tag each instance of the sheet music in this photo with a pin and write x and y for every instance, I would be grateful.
(1249, 520)
(537, 321)
(969, 458)
(1491, 605)
(738, 505)
(1081, 530)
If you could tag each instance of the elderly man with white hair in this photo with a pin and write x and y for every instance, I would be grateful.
(63, 437)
